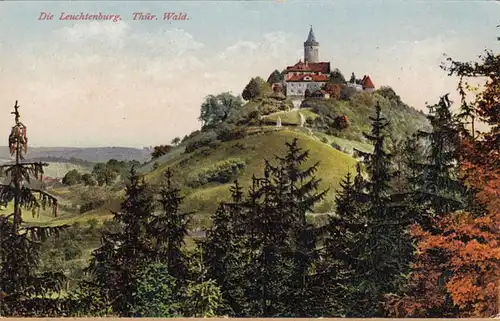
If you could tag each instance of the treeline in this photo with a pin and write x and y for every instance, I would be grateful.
(415, 234)
(102, 173)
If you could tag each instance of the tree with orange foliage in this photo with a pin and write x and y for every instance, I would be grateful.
(464, 282)
(333, 89)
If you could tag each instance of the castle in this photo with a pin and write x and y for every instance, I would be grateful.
(311, 74)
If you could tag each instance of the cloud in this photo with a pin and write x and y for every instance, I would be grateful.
(107, 84)
(93, 31)
(103, 83)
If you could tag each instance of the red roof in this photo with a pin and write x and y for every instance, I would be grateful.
(322, 67)
(367, 83)
(312, 78)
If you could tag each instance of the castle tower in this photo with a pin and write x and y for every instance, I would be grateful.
(311, 48)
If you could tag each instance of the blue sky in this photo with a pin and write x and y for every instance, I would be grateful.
(84, 83)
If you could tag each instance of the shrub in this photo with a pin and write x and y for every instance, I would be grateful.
(92, 223)
(91, 205)
(161, 150)
(269, 106)
(362, 99)
(205, 139)
(252, 90)
(221, 172)
(341, 122)
(253, 118)
(228, 132)
(88, 180)
(205, 151)
(156, 293)
(72, 177)
(192, 135)
(347, 92)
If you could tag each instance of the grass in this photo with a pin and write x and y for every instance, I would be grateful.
(263, 143)
(253, 150)
(346, 144)
(45, 218)
(404, 120)
(290, 117)
(58, 170)
(67, 196)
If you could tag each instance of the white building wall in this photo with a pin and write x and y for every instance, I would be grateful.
(299, 88)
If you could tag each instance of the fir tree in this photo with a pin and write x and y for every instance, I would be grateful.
(252, 241)
(378, 266)
(300, 197)
(412, 211)
(23, 291)
(169, 229)
(123, 255)
(223, 253)
(335, 266)
(340, 249)
(439, 187)
(273, 233)
(283, 243)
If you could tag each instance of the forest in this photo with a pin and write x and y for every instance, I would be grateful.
(415, 231)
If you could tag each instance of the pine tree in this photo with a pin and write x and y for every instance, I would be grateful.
(340, 249)
(273, 234)
(118, 263)
(439, 186)
(224, 255)
(409, 177)
(23, 291)
(249, 228)
(281, 244)
(379, 264)
(169, 230)
(301, 194)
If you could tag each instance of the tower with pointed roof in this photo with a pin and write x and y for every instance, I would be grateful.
(311, 48)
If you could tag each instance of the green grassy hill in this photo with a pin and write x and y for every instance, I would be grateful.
(404, 120)
(206, 162)
(252, 151)
(204, 198)
(194, 170)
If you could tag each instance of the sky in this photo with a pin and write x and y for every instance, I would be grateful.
(141, 83)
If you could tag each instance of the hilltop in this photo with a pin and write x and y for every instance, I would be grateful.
(236, 138)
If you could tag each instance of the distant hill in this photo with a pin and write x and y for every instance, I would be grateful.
(90, 154)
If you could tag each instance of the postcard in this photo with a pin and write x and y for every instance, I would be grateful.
(230, 159)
